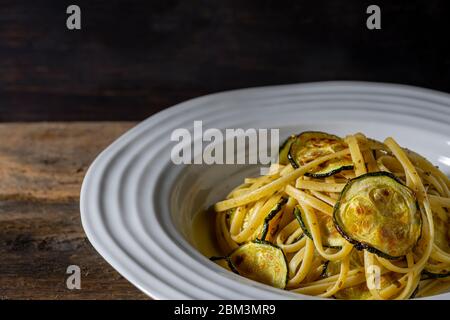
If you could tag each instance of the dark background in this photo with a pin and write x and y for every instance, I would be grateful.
(134, 58)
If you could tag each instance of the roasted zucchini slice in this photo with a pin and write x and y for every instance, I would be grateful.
(377, 212)
(284, 150)
(260, 261)
(331, 238)
(310, 145)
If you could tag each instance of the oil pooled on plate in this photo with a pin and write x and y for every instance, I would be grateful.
(203, 233)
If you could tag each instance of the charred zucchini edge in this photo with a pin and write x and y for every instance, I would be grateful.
(283, 152)
(432, 275)
(272, 215)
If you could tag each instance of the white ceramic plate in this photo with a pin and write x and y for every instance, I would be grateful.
(137, 206)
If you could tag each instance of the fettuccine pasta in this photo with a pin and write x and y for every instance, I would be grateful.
(344, 218)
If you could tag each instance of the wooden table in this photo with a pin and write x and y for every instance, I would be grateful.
(42, 166)
(134, 58)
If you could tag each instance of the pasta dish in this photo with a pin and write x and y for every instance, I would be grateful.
(343, 218)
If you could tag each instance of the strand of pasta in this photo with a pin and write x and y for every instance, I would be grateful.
(259, 181)
(316, 270)
(441, 201)
(357, 158)
(393, 288)
(354, 277)
(276, 168)
(297, 233)
(330, 179)
(315, 233)
(301, 196)
(431, 180)
(372, 165)
(392, 267)
(440, 212)
(371, 144)
(348, 174)
(331, 195)
(293, 247)
(239, 193)
(238, 189)
(332, 279)
(238, 219)
(420, 161)
(319, 186)
(252, 184)
(295, 261)
(439, 254)
(257, 219)
(324, 198)
(225, 244)
(427, 237)
(423, 284)
(275, 185)
(390, 164)
(439, 287)
(445, 188)
(407, 283)
(369, 262)
(288, 213)
(305, 266)
(345, 265)
(411, 279)
(436, 268)
(258, 184)
(286, 170)
(284, 233)
(291, 229)
(226, 233)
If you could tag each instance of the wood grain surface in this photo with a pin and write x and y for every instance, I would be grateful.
(42, 166)
(133, 58)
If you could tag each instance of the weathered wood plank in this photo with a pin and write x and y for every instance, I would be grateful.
(134, 58)
(42, 166)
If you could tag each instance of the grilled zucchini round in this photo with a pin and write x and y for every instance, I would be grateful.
(260, 261)
(310, 145)
(377, 212)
